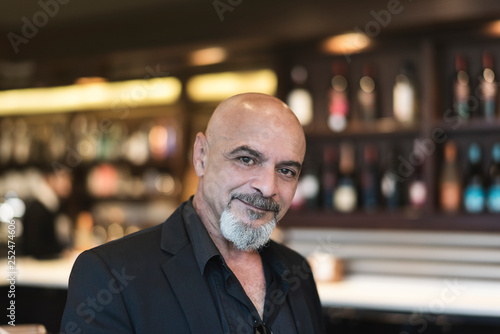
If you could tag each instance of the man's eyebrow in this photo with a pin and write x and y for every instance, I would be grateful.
(291, 163)
(250, 151)
(247, 150)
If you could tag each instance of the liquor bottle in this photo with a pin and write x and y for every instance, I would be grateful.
(299, 99)
(449, 180)
(367, 95)
(390, 183)
(488, 87)
(405, 95)
(310, 184)
(345, 198)
(338, 98)
(417, 188)
(494, 180)
(370, 179)
(328, 176)
(474, 194)
(461, 88)
(308, 188)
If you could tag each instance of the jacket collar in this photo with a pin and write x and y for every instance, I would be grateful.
(183, 273)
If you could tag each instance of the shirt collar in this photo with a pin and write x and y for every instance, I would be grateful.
(204, 248)
(203, 245)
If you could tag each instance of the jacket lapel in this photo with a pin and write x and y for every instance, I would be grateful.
(192, 292)
(188, 284)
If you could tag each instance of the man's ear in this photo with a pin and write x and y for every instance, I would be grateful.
(200, 153)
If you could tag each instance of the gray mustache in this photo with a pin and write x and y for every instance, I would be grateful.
(258, 201)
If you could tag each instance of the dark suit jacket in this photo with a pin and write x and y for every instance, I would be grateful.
(149, 282)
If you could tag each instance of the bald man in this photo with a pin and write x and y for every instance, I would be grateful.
(211, 266)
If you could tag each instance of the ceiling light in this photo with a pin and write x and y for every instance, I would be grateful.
(91, 96)
(493, 29)
(346, 43)
(207, 56)
(219, 86)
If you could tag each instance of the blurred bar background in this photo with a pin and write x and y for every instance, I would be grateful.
(398, 204)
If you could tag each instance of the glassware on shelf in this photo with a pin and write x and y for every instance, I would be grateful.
(405, 95)
(299, 98)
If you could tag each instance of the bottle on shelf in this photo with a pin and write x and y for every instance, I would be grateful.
(461, 88)
(345, 197)
(494, 180)
(328, 176)
(299, 98)
(417, 188)
(367, 95)
(390, 182)
(474, 197)
(450, 189)
(370, 179)
(338, 98)
(405, 95)
(310, 185)
(488, 87)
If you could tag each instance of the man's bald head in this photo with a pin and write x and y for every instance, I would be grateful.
(244, 112)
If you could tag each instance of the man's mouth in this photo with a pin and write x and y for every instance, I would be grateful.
(255, 208)
(257, 202)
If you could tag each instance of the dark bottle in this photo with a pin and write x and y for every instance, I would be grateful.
(474, 194)
(488, 87)
(338, 98)
(450, 188)
(417, 188)
(329, 176)
(391, 182)
(299, 98)
(370, 179)
(494, 180)
(461, 88)
(345, 198)
(367, 95)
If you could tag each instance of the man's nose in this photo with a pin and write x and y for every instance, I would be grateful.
(265, 181)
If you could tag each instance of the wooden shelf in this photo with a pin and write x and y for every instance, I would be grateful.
(381, 128)
(457, 126)
(398, 220)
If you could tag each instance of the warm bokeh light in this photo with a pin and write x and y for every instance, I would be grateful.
(493, 29)
(346, 43)
(91, 96)
(219, 86)
(207, 56)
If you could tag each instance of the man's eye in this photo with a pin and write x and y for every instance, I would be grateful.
(287, 172)
(247, 160)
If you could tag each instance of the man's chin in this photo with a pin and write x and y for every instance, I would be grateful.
(246, 234)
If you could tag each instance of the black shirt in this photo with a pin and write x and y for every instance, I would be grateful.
(236, 311)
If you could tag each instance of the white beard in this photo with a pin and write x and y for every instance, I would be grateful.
(245, 237)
